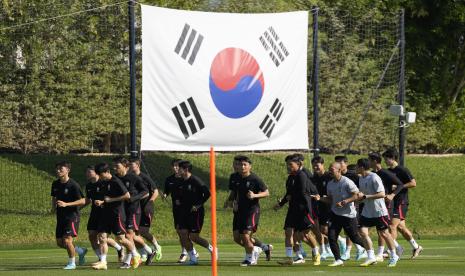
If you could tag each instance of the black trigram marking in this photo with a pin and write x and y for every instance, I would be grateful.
(272, 118)
(274, 46)
(192, 39)
(188, 118)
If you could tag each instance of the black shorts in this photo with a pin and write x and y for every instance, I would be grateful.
(113, 222)
(132, 219)
(299, 220)
(246, 221)
(399, 211)
(381, 223)
(67, 227)
(323, 213)
(191, 221)
(146, 215)
(95, 218)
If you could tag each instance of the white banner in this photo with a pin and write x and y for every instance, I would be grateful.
(232, 81)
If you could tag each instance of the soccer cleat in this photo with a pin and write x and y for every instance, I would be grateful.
(246, 263)
(191, 262)
(144, 257)
(304, 254)
(393, 261)
(369, 262)
(268, 252)
(82, 257)
(286, 261)
(158, 254)
(125, 266)
(298, 260)
(316, 259)
(380, 258)
(182, 258)
(70, 266)
(345, 256)
(416, 252)
(150, 257)
(136, 261)
(120, 255)
(100, 266)
(337, 263)
(399, 251)
(361, 254)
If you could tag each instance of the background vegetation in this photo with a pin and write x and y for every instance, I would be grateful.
(64, 82)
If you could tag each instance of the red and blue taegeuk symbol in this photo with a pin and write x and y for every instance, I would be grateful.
(236, 82)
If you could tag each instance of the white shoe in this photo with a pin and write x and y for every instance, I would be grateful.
(380, 258)
(369, 262)
(337, 263)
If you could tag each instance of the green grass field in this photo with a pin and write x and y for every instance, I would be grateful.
(440, 257)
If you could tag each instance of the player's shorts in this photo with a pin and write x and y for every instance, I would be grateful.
(399, 210)
(95, 218)
(300, 220)
(323, 214)
(146, 215)
(113, 222)
(67, 227)
(381, 223)
(192, 221)
(245, 221)
(132, 221)
(177, 216)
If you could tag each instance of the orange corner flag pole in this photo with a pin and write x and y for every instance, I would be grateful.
(213, 210)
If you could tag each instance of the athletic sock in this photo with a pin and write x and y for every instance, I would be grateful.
(396, 243)
(148, 249)
(380, 250)
(289, 252)
(299, 255)
(72, 260)
(192, 256)
(371, 254)
(328, 248)
(315, 251)
(348, 248)
(79, 250)
(413, 243)
(118, 247)
(392, 253)
(184, 251)
(359, 247)
(341, 239)
(127, 259)
(134, 253)
(210, 248)
(142, 251)
(323, 249)
(193, 250)
(249, 257)
(103, 258)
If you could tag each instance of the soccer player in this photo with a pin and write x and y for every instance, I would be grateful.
(300, 217)
(246, 189)
(346, 245)
(66, 199)
(172, 184)
(147, 210)
(390, 180)
(114, 195)
(342, 192)
(138, 191)
(321, 178)
(193, 194)
(401, 202)
(374, 211)
(94, 191)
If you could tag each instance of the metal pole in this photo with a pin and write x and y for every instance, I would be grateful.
(132, 77)
(402, 87)
(315, 85)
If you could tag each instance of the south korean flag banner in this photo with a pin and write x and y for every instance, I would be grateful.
(233, 81)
